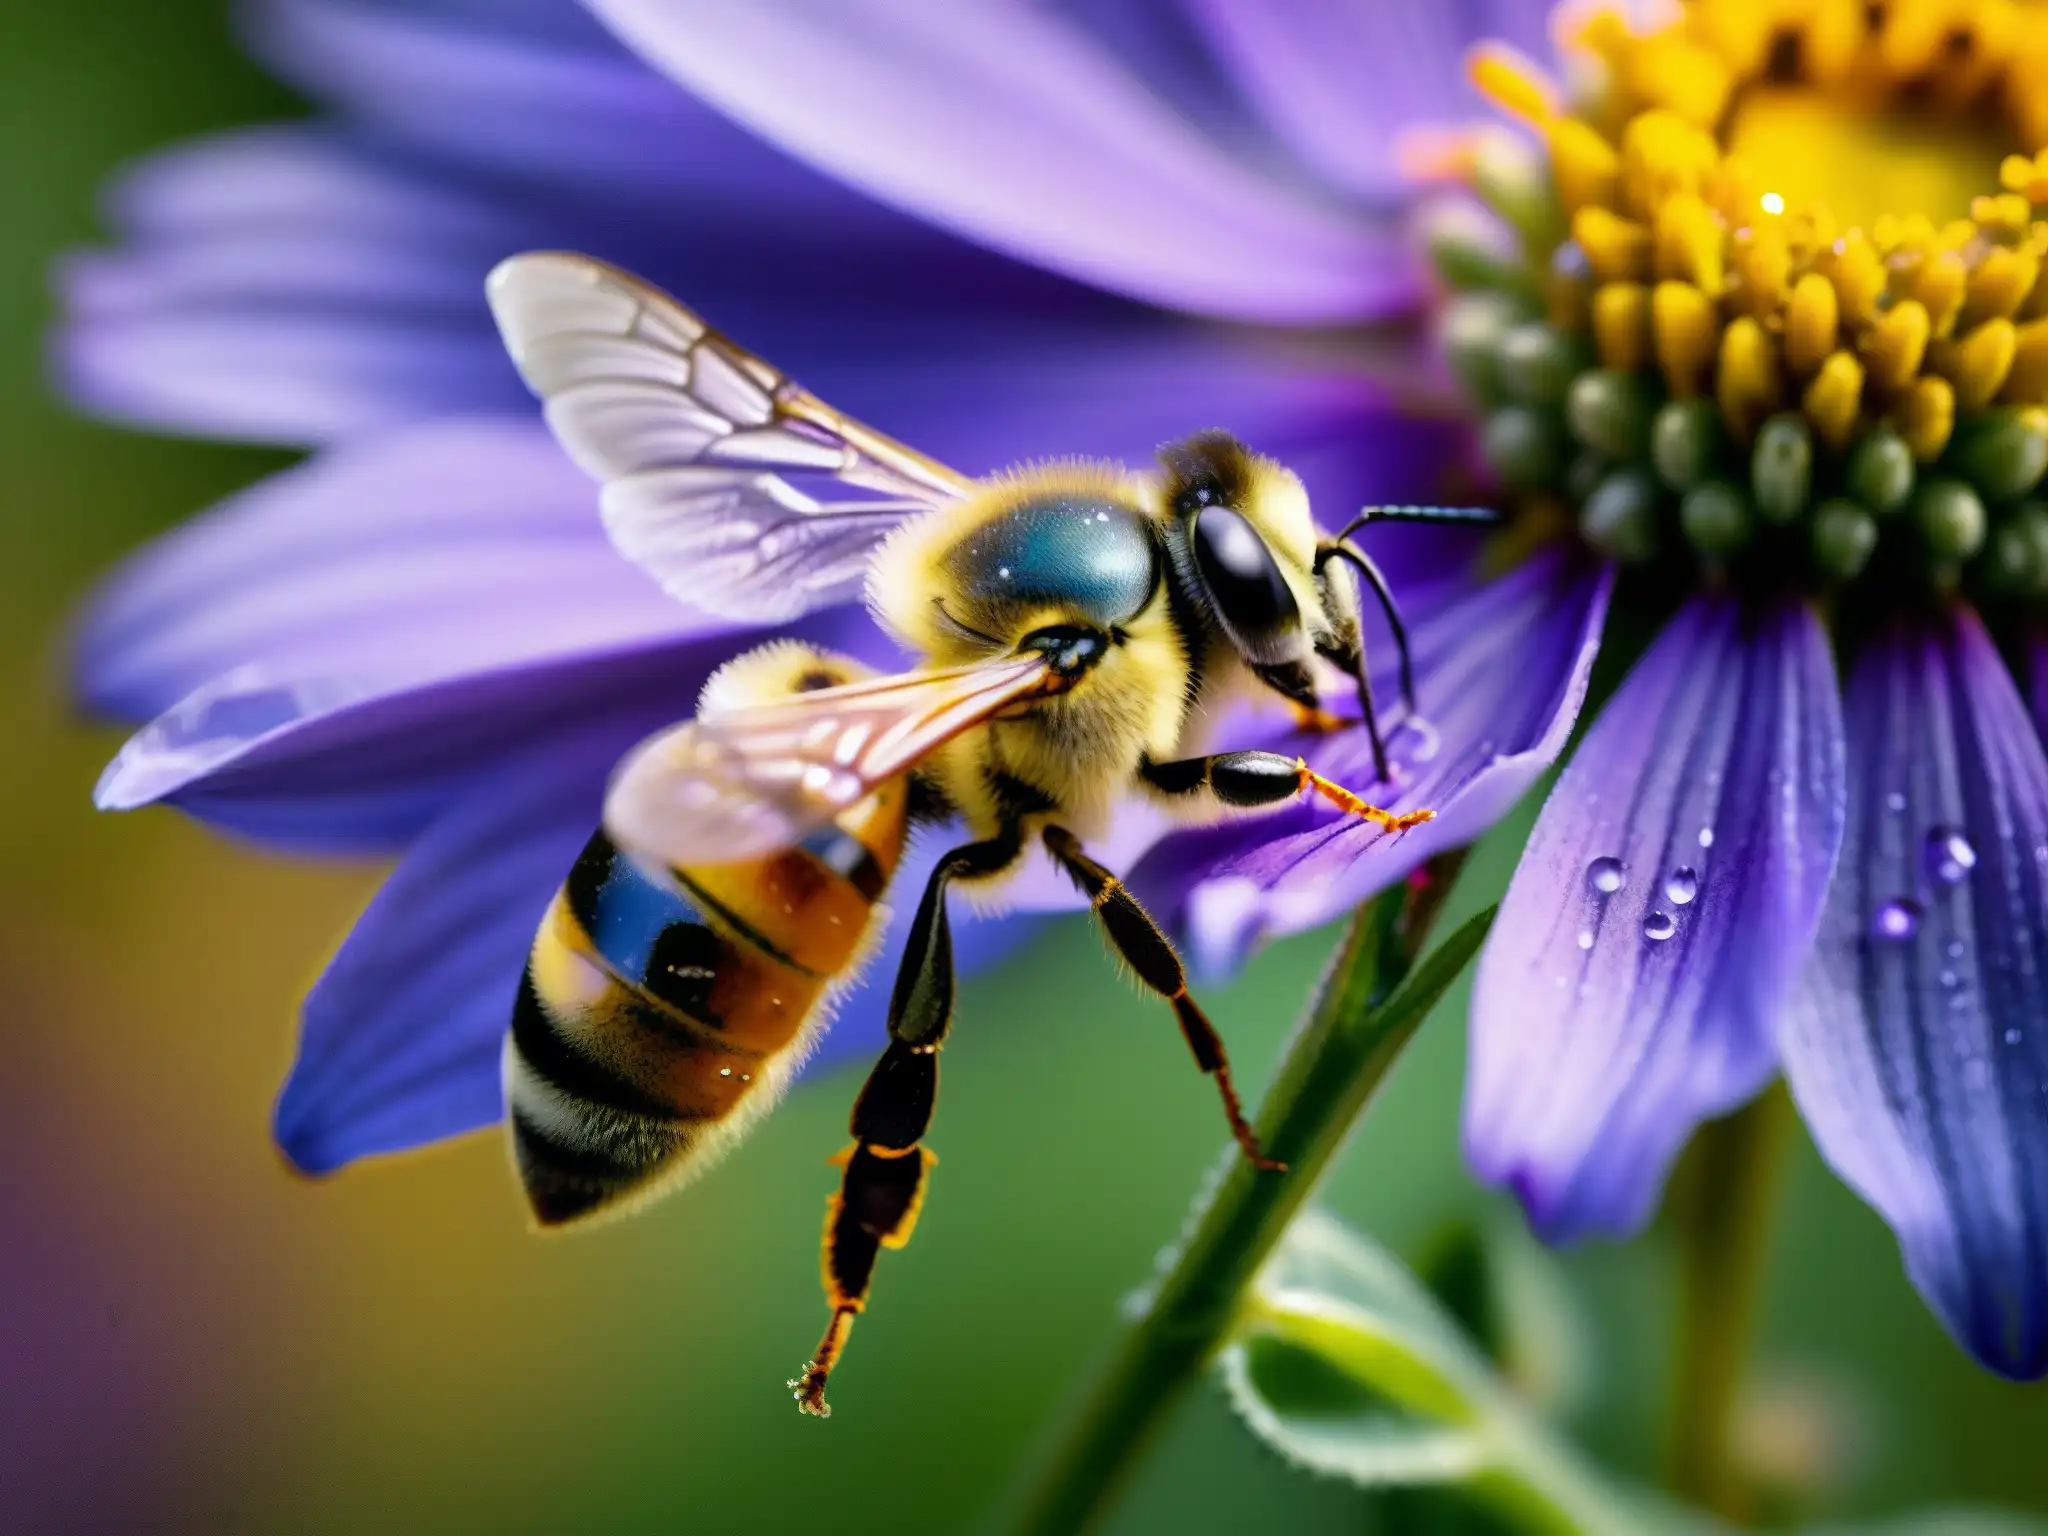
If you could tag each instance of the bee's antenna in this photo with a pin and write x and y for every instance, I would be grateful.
(1405, 514)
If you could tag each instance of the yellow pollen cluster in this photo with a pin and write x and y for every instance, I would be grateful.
(1672, 258)
(1696, 266)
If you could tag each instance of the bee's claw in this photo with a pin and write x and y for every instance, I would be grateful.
(810, 1391)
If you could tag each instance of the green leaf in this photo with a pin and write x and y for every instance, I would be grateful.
(1347, 1366)
(1943, 1522)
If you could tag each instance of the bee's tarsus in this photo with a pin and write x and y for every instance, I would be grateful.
(1345, 800)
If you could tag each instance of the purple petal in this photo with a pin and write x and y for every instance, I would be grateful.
(455, 547)
(1304, 66)
(1500, 673)
(538, 90)
(1607, 1023)
(400, 1037)
(1919, 1047)
(1013, 127)
(330, 767)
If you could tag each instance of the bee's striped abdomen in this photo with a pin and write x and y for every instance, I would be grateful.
(656, 1004)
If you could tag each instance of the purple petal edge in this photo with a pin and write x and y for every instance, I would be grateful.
(1659, 917)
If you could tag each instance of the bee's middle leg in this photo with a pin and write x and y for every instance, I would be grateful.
(1150, 953)
(887, 1166)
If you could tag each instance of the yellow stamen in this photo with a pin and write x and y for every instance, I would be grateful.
(1978, 363)
(1621, 325)
(1513, 83)
(1584, 165)
(1747, 390)
(1926, 416)
(1683, 320)
(1810, 323)
(1617, 249)
(1895, 345)
(1833, 399)
(2027, 380)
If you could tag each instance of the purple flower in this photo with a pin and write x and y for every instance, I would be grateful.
(420, 641)
(1775, 435)
(1768, 437)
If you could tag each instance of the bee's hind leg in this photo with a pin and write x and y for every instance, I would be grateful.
(887, 1166)
(1150, 953)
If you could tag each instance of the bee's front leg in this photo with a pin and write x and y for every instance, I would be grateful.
(1250, 780)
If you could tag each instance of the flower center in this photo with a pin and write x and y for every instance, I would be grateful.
(1768, 298)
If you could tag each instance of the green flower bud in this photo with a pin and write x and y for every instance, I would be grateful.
(1880, 470)
(2009, 563)
(1536, 364)
(1469, 248)
(1524, 447)
(1586, 472)
(1844, 537)
(1620, 517)
(1610, 411)
(1998, 455)
(1781, 468)
(1685, 439)
(1716, 518)
(1514, 179)
(1950, 518)
(1470, 334)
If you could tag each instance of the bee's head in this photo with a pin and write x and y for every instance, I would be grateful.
(1243, 543)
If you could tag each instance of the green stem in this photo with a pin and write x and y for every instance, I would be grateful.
(1351, 1035)
(1723, 1206)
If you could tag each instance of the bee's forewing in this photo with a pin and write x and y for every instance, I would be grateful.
(739, 492)
(740, 783)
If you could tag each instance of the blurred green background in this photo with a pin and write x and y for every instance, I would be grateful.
(193, 1338)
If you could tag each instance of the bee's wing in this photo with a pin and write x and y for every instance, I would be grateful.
(740, 493)
(740, 783)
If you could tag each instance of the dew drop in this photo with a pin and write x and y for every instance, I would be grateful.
(1706, 837)
(1895, 801)
(1955, 949)
(1948, 978)
(1683, 885)
(1423, 741)
(1659, 926)
(2012, 1037)
(1949, 856)
(1604, 875)
(1585, 938)
(1897, 920)
(725, 1071)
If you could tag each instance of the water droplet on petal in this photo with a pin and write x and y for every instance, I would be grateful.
(1950, 858)
(1659, 926)
(1706, 837)
(2012, 1037)
(1585, 938)
(1955, 949)
(1423, 740)
(1948, 978)
(1683, 885)
(1895, 802)
(1897, 920)
(1604, 875)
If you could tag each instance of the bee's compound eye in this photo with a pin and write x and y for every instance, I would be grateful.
(1250, 596)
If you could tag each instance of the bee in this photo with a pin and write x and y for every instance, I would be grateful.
(1072, 622)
